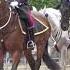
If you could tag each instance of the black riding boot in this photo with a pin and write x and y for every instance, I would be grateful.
(30, 38)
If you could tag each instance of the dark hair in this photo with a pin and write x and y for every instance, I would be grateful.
(23, 1)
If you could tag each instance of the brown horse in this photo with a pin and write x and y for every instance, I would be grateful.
(14, 41)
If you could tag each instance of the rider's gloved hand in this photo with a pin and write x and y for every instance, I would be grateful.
(14, 4)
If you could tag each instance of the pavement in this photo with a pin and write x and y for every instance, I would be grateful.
(26, 67)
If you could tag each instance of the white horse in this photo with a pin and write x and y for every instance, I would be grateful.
(54, 16)
(58, 36)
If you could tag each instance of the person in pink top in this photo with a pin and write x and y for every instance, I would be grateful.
(26, 17)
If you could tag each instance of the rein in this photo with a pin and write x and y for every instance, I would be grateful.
(54, 40)
(7, 21)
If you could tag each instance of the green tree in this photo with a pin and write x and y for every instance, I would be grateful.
(41, 3)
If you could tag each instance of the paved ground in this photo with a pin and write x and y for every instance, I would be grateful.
(26, 67)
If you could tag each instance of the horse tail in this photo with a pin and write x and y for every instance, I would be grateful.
(52, 65)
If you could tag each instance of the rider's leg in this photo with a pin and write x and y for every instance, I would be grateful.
(30, 29)
(26, 18)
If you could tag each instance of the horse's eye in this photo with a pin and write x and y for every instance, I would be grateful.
(46, 15)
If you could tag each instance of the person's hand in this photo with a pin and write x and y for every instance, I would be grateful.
(14, 4)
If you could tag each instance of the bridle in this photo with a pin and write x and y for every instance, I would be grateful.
(7, 20)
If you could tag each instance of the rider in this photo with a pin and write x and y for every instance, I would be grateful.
(29, 23)
(30, 27)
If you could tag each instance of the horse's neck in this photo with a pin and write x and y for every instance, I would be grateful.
(4, 9)
(4, 13)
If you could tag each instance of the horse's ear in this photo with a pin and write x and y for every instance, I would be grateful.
(44, 7)
(34, 8)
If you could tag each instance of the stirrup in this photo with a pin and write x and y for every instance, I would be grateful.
(30, 44)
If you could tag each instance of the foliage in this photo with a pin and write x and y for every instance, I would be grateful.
(41, 3)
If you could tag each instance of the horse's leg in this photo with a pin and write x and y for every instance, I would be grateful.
(2, 52)
(1, 59)
(30, 59)
(40, 51)
(16, 59)
(52, 65)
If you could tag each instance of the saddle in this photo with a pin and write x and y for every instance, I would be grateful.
(39, 26)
